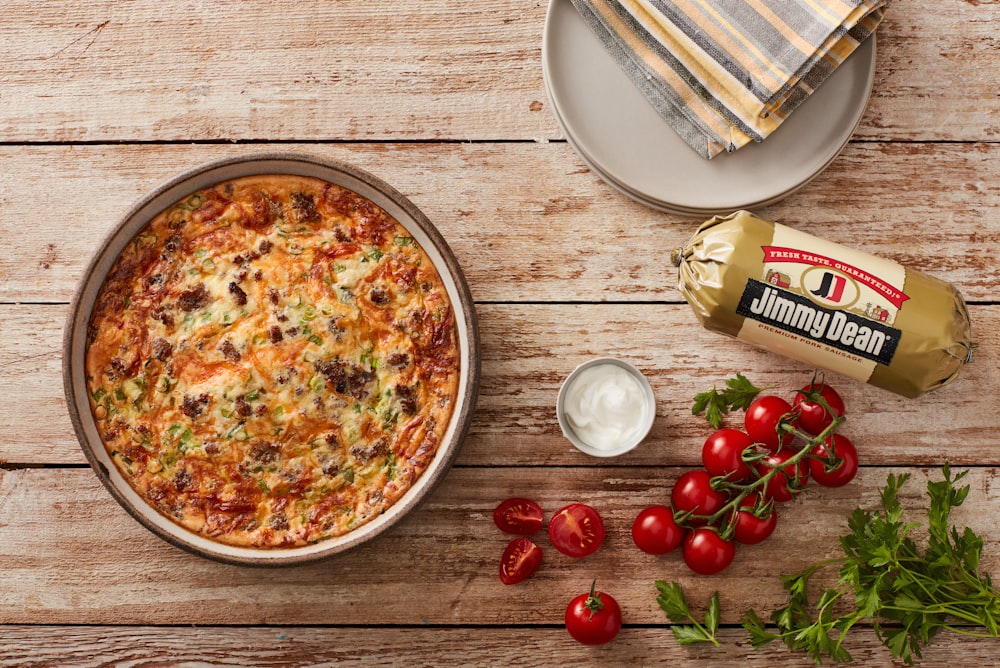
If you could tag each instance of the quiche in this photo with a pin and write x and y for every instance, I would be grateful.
(272, 361)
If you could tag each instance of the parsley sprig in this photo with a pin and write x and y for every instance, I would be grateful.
(907, 595)
(672, 601)
(739, 393)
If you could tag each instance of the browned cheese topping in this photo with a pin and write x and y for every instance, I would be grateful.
(272, 361)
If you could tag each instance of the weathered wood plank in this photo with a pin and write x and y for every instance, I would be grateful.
(420, 70)
(549, 230)
(545, 245)
(70, 555)
(252, 70)
(89, 646)
(527, 352)
(928, 54)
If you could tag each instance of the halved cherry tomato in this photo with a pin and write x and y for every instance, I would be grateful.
(814, 417)
(594, 618)
(576, 530)
(518, 516)
(520, 560)
(655, 531)
(706, 552)
(693, 493)
(843, 467)
(791, 478)
(762, 419)
(722, 454)
(750, 529)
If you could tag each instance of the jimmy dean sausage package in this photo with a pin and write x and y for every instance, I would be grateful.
(821, 303)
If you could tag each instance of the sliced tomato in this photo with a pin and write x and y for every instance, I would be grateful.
(576, 530)
(520, 560)
(518, 516)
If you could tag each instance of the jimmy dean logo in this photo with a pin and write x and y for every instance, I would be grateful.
(837, 328)
(831, 287)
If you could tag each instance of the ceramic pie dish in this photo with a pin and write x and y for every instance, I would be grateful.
(422, 231)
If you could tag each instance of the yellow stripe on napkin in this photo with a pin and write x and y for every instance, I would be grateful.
(724, 73)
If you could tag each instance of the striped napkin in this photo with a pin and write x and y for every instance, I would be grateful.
(727, 72)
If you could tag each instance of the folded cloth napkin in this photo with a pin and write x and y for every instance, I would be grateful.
(727, 72)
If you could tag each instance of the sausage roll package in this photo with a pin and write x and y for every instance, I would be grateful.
(818, 302)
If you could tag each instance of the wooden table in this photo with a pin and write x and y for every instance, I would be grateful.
(100, 101)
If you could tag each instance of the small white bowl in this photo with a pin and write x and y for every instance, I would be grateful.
(627, 444)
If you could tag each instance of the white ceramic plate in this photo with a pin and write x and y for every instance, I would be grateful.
(361, 182)
(627, 143)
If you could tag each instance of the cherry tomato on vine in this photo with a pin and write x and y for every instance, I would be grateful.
(518, 516)
(706, 552)
(722, 454)
(576, 530)
(655, 531)
(693, 493)
(594, 618)
(791, 478)
(520, 560)
(750, 529)
(762, 419)
(844, 467)
(814, 417)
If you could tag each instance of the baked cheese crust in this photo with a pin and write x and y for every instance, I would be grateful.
(272, 361)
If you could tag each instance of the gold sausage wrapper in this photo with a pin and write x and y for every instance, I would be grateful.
(821, 303)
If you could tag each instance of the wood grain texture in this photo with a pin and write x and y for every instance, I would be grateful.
(529, 349)
(355, 70)
(549, 230)
(280, 647)
(71, 555)
(101, 101)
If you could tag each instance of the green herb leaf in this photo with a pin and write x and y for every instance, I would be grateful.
(739, 393)
(759, 635)
(712, 614)
(672, 601)
(908, 594)
(689, 635)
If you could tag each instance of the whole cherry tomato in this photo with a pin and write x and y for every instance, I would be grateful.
(693, 493)
(594, 618)
(722, 454)
(813, 415)
(763, 418)
(520, 560)
(706, 552)
(791, 477)
(655, 531)
(518, 516)
(838, 461)
(576, 530)
(750, 529)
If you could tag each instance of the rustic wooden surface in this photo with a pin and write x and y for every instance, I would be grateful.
(101, 101)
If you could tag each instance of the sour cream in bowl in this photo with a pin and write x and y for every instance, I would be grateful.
(605, 407)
